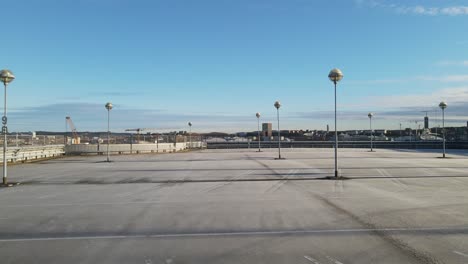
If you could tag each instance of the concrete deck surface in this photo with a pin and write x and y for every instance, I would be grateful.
(239, 206)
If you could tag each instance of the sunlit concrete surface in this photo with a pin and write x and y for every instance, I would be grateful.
(239, 206)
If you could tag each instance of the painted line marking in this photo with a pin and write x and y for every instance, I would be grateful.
(241, 233)
(159, 202)
(460, 253)
(46, 196)
(334, 260)
(124, 194)
(311, 259)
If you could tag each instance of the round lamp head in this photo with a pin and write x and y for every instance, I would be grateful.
(370, 115)
(109, 106)
(190, 123)
(443, 105)
(335, 75)
(277, 104)
(6, 76)
(257, 115)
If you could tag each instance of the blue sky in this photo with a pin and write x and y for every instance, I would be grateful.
(216, 63)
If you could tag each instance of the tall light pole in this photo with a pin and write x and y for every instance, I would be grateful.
(370, 115)
(108, 107)
(335, 76)
(277, 106)
(442, 106)
(66, 131)
(258, 130)
(190, 134)
(6, 76)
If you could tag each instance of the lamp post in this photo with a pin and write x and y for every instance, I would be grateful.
(370, 115)
(108, 107)
(6, 76)
(190, 134)
(277, 106)
(258, 130)
(335, 76)
(442, 106)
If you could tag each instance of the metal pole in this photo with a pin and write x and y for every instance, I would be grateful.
(190, 137)
(258, 133)
(5, 131)
(279, 134)
(443, 128)
(371, 134)
(410, 132)
(108, 134)
(336, 140)
(65, 135)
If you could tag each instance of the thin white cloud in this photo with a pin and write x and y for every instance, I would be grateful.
(379, 81)
(454, 10)
(461, 78)
(453, 63)
(452, 95)
(416, 10)
(419, 10)
(445, 78)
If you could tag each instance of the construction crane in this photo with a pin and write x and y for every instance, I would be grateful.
(75, 139)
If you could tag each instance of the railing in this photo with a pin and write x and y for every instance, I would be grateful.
(101, 149)
(29, 153)
(341, 144)
(25, 140)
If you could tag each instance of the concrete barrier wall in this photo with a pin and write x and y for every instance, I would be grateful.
(129, 148)
(23, 154)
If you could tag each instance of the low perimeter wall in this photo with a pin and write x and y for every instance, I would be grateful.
(101, 149)
(341, 144)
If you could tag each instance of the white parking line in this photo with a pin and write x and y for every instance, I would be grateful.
(460, 253)
(47, 196)
(124, 194)
(241, 233)
(311, 259)
(334, 260)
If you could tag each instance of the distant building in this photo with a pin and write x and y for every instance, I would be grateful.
(267, 130)
(426, 122)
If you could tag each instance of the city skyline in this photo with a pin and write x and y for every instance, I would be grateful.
(217, 63)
